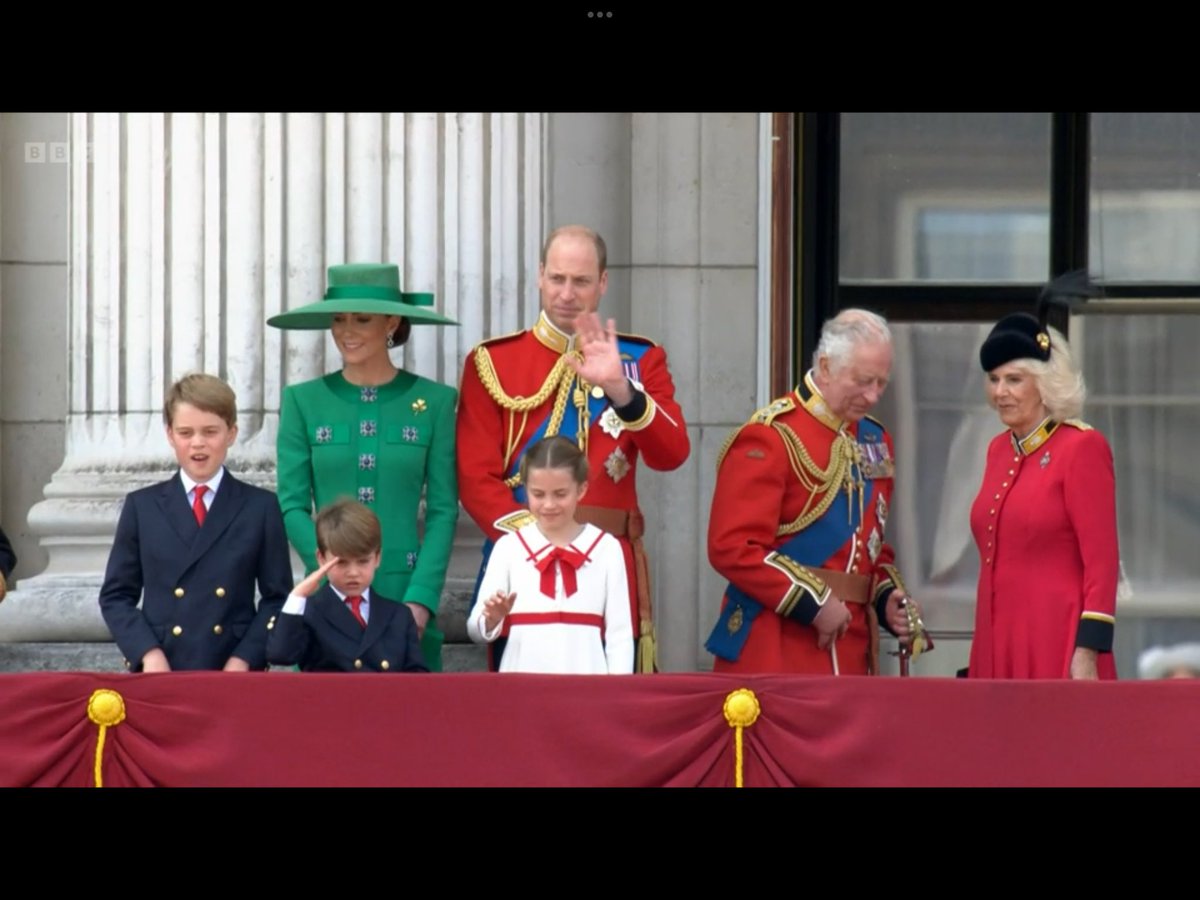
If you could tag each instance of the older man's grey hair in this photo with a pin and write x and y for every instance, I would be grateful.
(847, 330)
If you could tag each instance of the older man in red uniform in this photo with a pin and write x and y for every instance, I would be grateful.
(802, 497)
(571, 375)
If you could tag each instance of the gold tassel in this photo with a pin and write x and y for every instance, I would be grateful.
(106, 708)
(741, 711)
(647, 650)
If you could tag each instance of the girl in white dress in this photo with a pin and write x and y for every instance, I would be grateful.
(557, 589)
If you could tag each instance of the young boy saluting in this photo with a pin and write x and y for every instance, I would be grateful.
(344, 626)
(193, 548)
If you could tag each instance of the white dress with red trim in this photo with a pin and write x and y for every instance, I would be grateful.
(571, 614)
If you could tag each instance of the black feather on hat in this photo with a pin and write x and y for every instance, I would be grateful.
(1022, 336)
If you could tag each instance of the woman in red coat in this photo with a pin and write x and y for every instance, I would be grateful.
(1045, 519)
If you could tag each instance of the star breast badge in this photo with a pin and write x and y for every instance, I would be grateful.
(617, 465)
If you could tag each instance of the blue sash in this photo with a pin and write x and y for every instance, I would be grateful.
(810, 547)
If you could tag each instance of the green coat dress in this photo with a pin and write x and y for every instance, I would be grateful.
(381, 446)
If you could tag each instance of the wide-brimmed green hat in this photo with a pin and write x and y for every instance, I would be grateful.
(363, 288)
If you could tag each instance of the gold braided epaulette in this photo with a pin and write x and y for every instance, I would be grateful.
(764, 416)
(500, 337)
(1078, 423)
(767, 414)
(637, 339)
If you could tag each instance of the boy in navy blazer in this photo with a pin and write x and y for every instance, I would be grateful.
(344, 626)
(193, 548)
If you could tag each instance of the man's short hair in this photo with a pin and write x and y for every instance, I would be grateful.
(205, 392)
(847, 330)
(348, 530)
(578, 231)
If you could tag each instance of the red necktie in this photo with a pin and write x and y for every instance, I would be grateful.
(198, 506)
(569, 560)
(355, 603)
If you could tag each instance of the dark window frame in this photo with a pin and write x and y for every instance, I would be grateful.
(819, 292)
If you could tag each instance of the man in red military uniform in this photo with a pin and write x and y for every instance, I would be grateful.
(798, 514)
(571, 375)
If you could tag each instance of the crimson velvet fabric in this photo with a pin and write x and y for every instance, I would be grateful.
(281, 729)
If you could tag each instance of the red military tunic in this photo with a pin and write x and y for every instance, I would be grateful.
(1045, 522)
(518, 388)
(781, 512)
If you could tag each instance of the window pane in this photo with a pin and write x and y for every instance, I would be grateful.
(944, 197)
(1145, 197)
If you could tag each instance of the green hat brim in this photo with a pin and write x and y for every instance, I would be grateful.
(319, 315)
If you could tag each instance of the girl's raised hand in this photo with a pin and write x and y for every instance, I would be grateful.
(496, 607)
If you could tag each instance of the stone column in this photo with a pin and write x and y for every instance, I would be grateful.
(189, 230)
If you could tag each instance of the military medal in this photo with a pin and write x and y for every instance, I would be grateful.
(874, 545)
(875, 460)
(881, 511)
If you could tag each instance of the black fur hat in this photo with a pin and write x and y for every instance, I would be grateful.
(1023, 336)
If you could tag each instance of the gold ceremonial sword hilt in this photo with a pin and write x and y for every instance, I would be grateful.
(918, 640)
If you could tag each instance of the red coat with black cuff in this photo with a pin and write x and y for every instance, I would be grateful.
(1045, 522)
(759, 492)
(492, 435)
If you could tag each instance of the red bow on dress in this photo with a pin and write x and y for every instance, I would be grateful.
(570, 559)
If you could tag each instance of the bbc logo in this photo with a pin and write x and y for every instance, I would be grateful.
(40, 152)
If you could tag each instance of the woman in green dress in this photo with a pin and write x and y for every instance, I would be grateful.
(377, 434)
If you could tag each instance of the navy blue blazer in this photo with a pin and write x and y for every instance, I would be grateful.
(327, 638)
(196, 584)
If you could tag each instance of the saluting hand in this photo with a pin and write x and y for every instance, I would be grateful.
(601, 362)
(309, 585)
